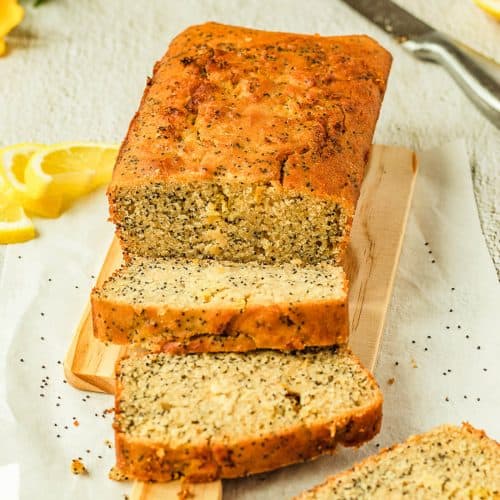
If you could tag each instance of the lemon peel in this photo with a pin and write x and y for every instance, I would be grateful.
(13, 161)
(15, 225)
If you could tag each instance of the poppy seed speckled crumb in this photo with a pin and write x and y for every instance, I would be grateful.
(207, 416)
(189, 306)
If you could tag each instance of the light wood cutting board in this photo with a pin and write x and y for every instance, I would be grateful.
(371, 262)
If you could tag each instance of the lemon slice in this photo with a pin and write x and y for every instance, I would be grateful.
(69, 169)
(13, 162)
(15, 226)
(104, 169)
(492, 7)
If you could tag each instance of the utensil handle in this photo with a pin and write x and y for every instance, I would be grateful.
(465, 68)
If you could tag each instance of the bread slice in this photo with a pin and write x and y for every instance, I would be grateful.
(447, 462)
(208, 416)
(199, 306)
(249, 145)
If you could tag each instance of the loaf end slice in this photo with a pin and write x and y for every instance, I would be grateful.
(447, 462)
(202, 306)
(209, 416)
(249, 145)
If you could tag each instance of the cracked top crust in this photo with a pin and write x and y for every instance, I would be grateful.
(237, 104)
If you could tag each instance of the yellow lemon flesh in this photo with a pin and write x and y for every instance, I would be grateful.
(492, 7)
(13, 162)
(69, 169)
(15, 226)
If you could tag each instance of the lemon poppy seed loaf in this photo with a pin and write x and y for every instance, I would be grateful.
(447, 462)
(182, 305)
(208, 416)
(249, 146)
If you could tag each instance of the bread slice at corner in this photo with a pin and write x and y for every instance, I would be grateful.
(224, 415)
(447, 462)
(202, 306)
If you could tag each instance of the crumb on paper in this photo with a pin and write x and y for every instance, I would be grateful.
(108, 443)
(78, 468)
(391, 381)
(116, 474)
(76, 423)
(414, 363)
(125, 496)
(108, 410)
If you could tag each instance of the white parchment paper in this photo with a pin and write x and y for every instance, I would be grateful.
(439, 360)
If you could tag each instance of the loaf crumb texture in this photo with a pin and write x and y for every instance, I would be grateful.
(236, 221)
(206, 416)
(445, 463)
(186, 305)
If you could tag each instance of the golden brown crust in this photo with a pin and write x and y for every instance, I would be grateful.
(242, 105)
(277, 326)
(412, 440)
(152, 461)
(148, 461)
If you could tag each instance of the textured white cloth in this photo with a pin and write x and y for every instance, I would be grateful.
(77, 70)
(442, 310)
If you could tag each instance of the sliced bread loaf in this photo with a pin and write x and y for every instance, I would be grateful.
(447, 462)
(204, 305)
(208, 416)
(249, 145)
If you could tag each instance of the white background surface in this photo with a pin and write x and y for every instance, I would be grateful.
(77, 70)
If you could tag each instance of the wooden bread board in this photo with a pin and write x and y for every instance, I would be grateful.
(371, 263)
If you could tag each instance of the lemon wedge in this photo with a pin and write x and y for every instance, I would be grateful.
(15, 225)
(44, 179)
(69, 169)
(492, 7)
(13, 162)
